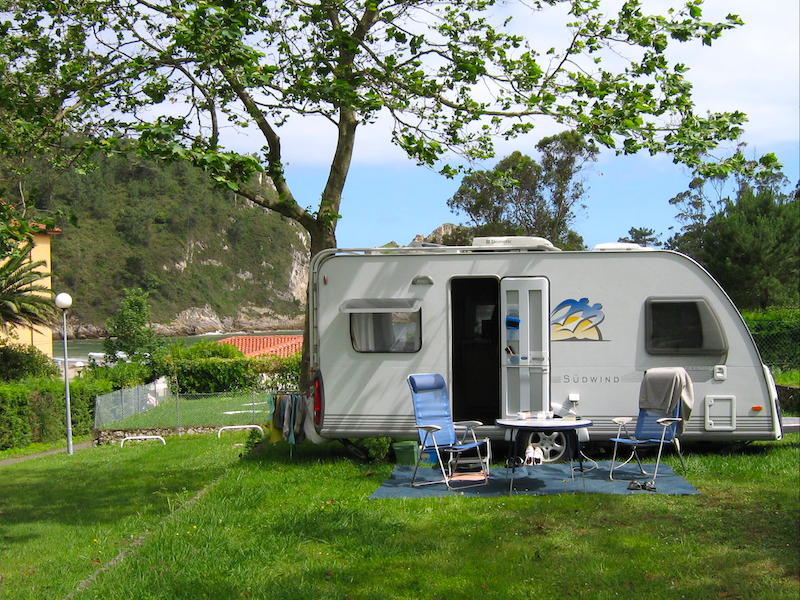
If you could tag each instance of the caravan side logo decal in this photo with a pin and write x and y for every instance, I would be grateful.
(576, 320)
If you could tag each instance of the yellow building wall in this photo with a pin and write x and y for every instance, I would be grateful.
(42, 337)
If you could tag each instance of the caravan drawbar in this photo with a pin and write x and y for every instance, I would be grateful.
(513, 324)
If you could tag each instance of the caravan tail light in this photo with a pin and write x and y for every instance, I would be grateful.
(317, 401)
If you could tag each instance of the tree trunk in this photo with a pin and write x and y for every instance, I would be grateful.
(322, 238)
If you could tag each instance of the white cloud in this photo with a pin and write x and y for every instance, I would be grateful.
(754, 68)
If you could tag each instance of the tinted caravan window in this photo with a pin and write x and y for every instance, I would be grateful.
(683, 326)
(385, 325)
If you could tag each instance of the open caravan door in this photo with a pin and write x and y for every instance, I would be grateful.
(525, 344)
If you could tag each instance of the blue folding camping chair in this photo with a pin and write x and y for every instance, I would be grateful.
(437, 434)
(665, 404)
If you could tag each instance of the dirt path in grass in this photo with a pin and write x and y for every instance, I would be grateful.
(11, 461)
(138, 542)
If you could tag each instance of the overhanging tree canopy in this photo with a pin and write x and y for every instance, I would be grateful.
(450, 76)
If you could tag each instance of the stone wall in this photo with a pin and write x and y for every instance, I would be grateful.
(115, 436)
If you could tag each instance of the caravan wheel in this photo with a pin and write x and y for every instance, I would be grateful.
(553, 445)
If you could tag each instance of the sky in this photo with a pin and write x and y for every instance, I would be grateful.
(754, 68)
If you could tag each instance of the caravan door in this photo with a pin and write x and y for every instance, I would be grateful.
(525, 344)
(475, 349)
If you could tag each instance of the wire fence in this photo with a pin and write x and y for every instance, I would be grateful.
(779, 348)
(154, 405)
(148, 406)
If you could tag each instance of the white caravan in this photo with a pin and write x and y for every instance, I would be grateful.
(515, 325)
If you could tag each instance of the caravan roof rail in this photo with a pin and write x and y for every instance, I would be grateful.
(621, 247)
(515, 242)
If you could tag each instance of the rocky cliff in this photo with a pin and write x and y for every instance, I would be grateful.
(249, 318)
(208, 259)
(437, 236)
(290, 289)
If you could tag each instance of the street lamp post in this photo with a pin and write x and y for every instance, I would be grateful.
(64, 301)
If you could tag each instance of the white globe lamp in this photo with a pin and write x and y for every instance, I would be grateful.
(64, 301)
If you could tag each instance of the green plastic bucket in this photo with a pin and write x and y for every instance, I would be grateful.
(406, 452)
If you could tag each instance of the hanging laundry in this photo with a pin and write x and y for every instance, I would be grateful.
(276, 422)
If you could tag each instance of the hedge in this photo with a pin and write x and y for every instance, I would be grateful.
(216, 374)
(34, 410)
(15, 415)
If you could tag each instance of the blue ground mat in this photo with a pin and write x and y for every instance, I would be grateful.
(540, 480)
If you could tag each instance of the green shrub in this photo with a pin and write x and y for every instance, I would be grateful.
(122, 375)
(377, 447)
(204, 367)
(789, 377)
(18, 361)
(201, 349)
(15, 416)
(279, 373)
(34, 409)
(212, 375)
(208, 367)
(47, 411)
(790, 316)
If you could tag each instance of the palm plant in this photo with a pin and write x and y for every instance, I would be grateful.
(24, 302)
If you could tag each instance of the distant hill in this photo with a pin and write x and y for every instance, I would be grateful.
(205, 255)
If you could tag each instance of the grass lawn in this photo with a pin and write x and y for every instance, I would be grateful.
(274, 527)
(787, 377)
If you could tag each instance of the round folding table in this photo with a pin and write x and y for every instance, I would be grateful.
(568, 426)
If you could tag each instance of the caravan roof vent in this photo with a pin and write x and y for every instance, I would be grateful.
(620, 247)
(514, 241)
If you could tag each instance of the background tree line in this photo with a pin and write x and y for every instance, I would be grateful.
(523, 196)
(745, 231)
(749, 240)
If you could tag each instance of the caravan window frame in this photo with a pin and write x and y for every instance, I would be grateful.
(385, 326)
(683, 326)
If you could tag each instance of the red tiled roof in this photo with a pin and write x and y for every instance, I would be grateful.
(34, 226)
(276, 345)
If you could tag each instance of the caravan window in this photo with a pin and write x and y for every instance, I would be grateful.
(683, 326)
(381, 325)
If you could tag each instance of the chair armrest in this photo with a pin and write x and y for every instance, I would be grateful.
(467, 424)
(429, 428)
(622, 425)
(468, 427)
(666, 421)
